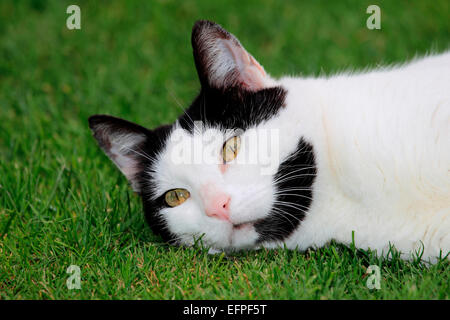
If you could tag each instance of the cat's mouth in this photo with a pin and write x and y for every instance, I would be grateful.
(242, 225)
(242, 235)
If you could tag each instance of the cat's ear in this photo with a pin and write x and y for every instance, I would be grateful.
(222, 61)
(123, 142)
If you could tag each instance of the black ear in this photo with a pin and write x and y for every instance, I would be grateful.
(222, 61)
(124, 143)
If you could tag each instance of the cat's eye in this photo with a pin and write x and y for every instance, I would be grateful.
(176, 197)
(231, 148)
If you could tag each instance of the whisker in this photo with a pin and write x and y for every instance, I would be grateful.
(144, 154)
(294, 171)
(172, 94)
(284, 214)
(294, 195)
(294, 177)
(291, 205)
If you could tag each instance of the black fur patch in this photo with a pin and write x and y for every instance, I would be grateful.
(293, 181)
(233, 108)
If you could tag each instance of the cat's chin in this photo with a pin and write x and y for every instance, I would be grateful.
(234, 237)
(243, 236)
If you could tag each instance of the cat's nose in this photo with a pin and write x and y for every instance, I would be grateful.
(218, 206)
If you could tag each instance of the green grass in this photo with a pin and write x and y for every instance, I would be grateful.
(61, 200)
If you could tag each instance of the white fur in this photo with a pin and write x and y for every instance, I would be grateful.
(382, 143)
(382, 146)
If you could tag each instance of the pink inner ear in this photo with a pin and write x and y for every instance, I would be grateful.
(251, 73)
(129, 172)
(251, 77)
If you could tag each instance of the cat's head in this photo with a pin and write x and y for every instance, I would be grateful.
(216, 173)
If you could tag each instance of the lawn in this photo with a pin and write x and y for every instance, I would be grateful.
(63, 203)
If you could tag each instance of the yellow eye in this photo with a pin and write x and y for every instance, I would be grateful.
(176, 197)
(231, 148)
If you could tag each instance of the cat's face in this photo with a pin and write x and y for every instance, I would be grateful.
(216, 174)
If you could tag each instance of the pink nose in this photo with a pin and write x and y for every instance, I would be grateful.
(217, 206)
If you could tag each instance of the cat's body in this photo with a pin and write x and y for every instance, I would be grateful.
(365, 154)
(382, 146)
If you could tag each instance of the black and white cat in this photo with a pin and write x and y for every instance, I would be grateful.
(367, 153)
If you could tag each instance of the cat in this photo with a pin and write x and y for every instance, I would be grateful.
(357, 157)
